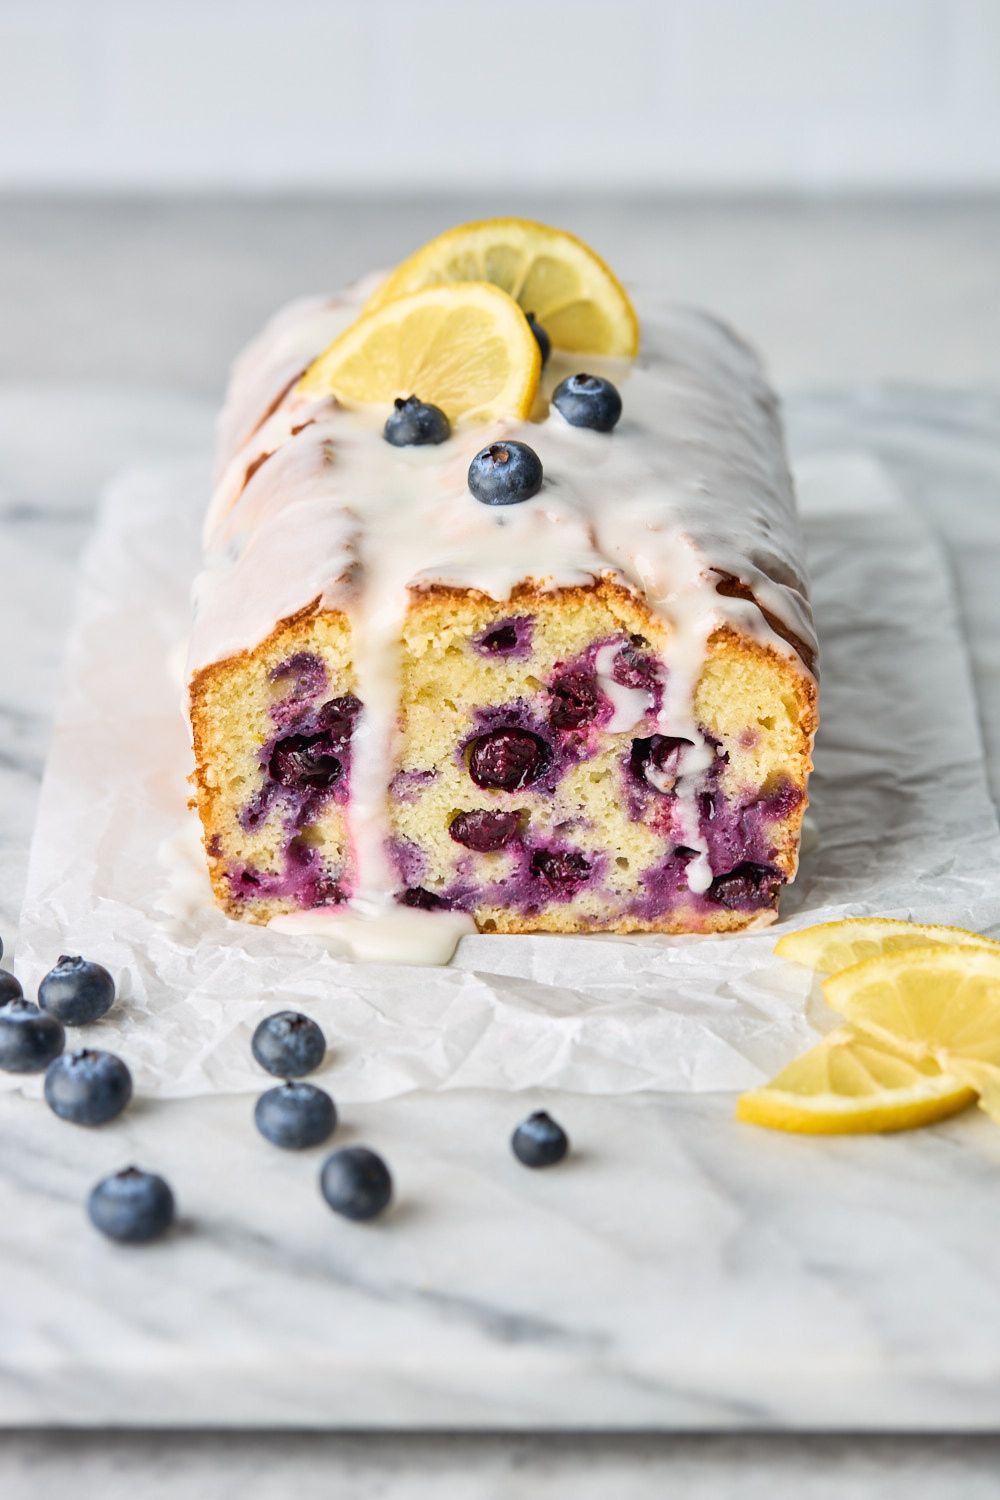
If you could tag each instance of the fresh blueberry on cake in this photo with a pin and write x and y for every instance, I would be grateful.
(87, 1087)
(505, 474)
(29, 1039)
(539, 1141)
(132, 1206)
(10, 986)
(412, 423)
(295, 1116)
(588, 401)
(355, 1182)
(77, 991)
(541, 337)
(417, 716)
(289, 1044)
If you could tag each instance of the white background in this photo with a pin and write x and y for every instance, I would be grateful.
(470, 94)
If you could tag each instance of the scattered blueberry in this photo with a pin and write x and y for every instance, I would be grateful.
(634, 667)
(77, 991)
(288, 1044)
(29, 1039)
(505, 474)
(538, 1141)
(337, 720)
(412, 423)
(749, 885)
(484, 831)
(87, 1087)
(10, 986)
(588, 401)
(295, 1115)
(559, 867)
(131, 1207)
(541, 337)
(508, 759)
(356, 1182)
(576, 700)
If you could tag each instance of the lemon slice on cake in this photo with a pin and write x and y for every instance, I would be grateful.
(576, 298)
(832, 946)
(851, 1083)
(940, 1003)
(466, 348)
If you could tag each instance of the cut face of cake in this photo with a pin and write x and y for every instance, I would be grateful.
(590, 708)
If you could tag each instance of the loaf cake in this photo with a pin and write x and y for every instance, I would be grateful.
(590, 711)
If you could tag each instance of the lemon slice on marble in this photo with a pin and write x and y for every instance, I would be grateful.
(938, 1003)
(832, 946)
(577, 299)
(467, 348)
(851, 1084)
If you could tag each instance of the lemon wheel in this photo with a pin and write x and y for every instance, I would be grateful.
(832, 946)
(577, 299)
(466, 348)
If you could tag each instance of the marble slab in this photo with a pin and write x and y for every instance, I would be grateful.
(677, 1273)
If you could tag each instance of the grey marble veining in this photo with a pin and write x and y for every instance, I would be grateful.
(677, 1273)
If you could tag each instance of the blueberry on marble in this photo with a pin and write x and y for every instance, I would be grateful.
(588, 401)
(508, 759)
(412, 423)
(355, 1181)
(505, 474)
(77, 991)
(541, 337)
(132, 1207)
(484, 831)
(288, 1044)
(29, 1039)
(87, 1087)
(539, 1141)
(295, 1116)
(10, 986)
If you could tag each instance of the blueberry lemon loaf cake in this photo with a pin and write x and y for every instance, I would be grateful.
(500, 615)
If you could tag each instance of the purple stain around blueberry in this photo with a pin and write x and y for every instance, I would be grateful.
(541, 337)
(87, 1087)
(295, 1116)
(288, 1044)
(356, 1183)
(539, 1141)
(77, 991)
(505, 473)
(413, 423)
(29, 1039)
(508, 759)
(588, 401)
(132, 1207)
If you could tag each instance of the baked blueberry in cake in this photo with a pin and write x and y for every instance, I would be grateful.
(529, 647)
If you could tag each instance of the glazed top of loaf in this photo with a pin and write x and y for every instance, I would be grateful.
(689, 501)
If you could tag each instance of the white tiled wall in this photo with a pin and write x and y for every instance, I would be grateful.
(396, 94)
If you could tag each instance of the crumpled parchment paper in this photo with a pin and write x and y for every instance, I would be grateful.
(902, 826)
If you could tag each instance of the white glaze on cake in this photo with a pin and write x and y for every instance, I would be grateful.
(691, 486)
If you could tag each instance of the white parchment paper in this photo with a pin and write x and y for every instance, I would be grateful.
(903, 826)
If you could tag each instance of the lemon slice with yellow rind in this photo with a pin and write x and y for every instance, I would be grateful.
(853, 1084)
(467, 348)
(938, 1003)
(831, 946)
(577, 299)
